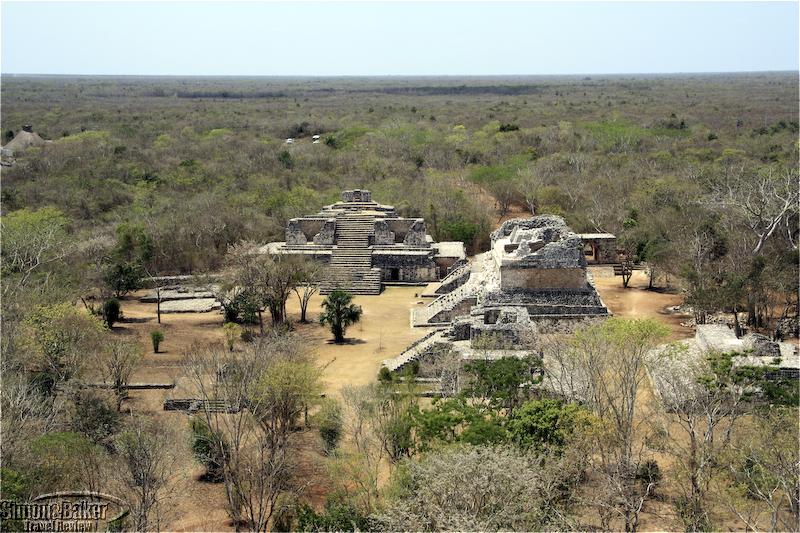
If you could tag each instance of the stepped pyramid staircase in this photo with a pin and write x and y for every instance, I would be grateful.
(351, 260)
(416, 350)
(465, 294)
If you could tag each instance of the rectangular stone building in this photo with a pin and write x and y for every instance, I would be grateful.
(365, 244)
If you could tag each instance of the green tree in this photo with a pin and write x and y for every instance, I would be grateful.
(504, 383)
(62, 460)
(339, 313)
(546, 424)
(208, 448)
(60, 337)
(111, 312)
(329, 421)
(93, 417)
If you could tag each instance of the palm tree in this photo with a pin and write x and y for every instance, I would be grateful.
(340, 313)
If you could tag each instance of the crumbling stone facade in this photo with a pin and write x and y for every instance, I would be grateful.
(600, 248)
(365, 244)
(532, 282)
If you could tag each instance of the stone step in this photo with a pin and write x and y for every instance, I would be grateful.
(415, 351)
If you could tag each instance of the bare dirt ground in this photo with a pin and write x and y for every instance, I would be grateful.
(637, 301)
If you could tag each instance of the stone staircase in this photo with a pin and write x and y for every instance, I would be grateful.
(463, 294)
(415, 351)
(350, 268)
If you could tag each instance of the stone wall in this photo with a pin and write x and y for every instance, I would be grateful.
(300, 231)
(294, 233)
(409, 268)
(357, 195)
(326, 233)
(382, 233)
(542, 278)
(416, 234)
(605, 250)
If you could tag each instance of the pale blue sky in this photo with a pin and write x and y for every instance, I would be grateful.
(450, 38)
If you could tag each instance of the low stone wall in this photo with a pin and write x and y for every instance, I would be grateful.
(408, 268)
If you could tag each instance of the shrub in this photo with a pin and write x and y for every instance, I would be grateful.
(94, 418)
(649, 472)
(335, 517)
(546, 424)
(207, 448)
(241, 310)
(329, 420)
(232, 332)
(385, 375)
(247, 335)
(157, 336)
(112, 312)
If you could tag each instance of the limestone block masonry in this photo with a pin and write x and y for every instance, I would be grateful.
(365, 244)
(532, 282)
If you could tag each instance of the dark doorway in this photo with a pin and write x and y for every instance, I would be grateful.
(394, 274)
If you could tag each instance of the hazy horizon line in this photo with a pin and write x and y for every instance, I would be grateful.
(323, 76)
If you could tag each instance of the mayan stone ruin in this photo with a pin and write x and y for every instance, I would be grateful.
(533, 282)
(364, 244)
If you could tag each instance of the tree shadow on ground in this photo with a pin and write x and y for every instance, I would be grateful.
(347, 342)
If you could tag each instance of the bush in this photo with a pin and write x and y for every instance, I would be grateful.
(14, 486)
(247, 335)
(94, 418)
(385, 375)
(157, 336)
(329, 420)
(112, 312)
(335, 517)
(241, 310)
(546, 424)
(649, 472)
(207, 448)
(232, 331)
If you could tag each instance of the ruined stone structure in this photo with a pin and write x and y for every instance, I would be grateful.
(364, 244)
(600, 248)
(532, 282)
(673, 377)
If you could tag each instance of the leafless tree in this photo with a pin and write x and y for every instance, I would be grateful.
(147, 466)
(118, 362)
(700, 410)
(764, 199)
(764, 471)
(259, 392)
(612, 357)
(485, 489)
(25, 413)
(307, 279)
(530, 181)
